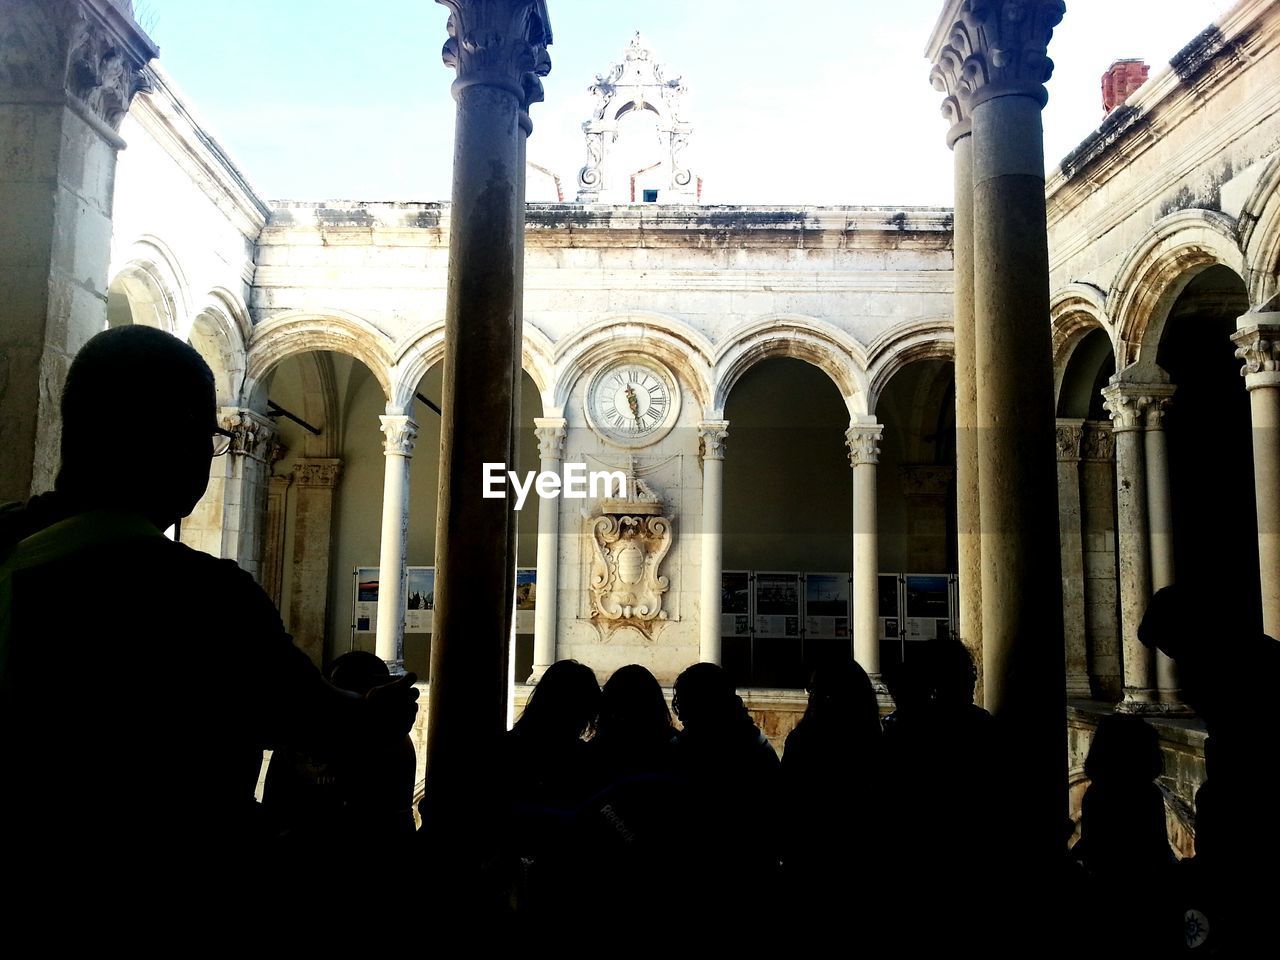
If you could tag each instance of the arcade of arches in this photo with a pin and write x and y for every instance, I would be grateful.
(832, 469)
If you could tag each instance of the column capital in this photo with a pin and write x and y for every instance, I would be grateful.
(499, 43)
(1128, 403)
(1069, 436)
(91, 51)
(982, 49)
(399, 434)
(713, 436)
(317, 472)
(252, 434)
(863, 440)
(1098, 442)
(1258, 345)
(551, 432)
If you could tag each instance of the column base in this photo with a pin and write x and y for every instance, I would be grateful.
(538, 670)
(1139, 702)
(1078, 688)
(396, 667)
(882, 691)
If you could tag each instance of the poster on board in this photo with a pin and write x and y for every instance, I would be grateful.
(366, 602)
(735, 603)
(526, 598)
(420, 599)
(826, 605)
(777, 602)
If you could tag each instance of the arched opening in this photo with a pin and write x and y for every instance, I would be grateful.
(787, 515)
(1210, 442)
(1089, 368)
(916, 507)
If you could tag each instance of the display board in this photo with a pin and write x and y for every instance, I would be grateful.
(735, 603)
(777, 604)
(826, 605)
(526, 598)
(420, 599)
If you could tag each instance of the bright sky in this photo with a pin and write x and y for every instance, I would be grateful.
(813, 101)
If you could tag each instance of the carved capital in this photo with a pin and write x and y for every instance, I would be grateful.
(1258, 345)
(550, 432)
(500, 43)
(863, 440)
(91, 49)
(1069, 437)
(994, 48)
(1128, 403)
(1098, 442)
(252, 435)
(713, 435)
(399, 434)
(317, 472)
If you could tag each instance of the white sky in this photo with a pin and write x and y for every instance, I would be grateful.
(815, 101)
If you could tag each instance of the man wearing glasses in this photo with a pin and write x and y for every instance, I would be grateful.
(140, 680)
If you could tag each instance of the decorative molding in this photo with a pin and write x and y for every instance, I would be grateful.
(1069, 437)
(630, 538)
(994, 48)
(317, 472)
(501, 43)
(399, 434)
(1258, 345)
(252, 435)
(1128, 403)
(713, 436)
(1099, 442)
(550, 432)
(863, 441)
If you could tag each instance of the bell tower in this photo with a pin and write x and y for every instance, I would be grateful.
(637, 135)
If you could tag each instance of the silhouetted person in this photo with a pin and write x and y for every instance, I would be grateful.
(543, 780)
(352, 795)
(140, 680)
(1124, 841)
(1228, 672)
(832, 778)
(732, 772)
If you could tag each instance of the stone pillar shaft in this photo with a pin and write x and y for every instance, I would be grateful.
(314, 479)
(551, 436)
(498, 48)
(1258, 345)
(68, 72)
(713, 434)
(863, 440)
(273, 536)
(254, 445)
(1070, 436)
(1155, 451)
(400, 433)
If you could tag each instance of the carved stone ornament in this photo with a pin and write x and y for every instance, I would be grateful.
(550, 432)
(92, 49)
(399, 434)
(1128, 403)
(1098, 442)
(713, 435)
(995, 48)
(252, 435)
(317, 472)
(864, 443)
(1259, 347)
(1069, 437)
(499, 43)
(630, 538)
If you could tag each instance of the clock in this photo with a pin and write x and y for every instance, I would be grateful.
(632, 402)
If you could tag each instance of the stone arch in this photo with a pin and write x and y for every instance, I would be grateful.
(903, 345)
(297, 333)
(1159, 267)
(816, 342)
(218, 338)
(154, 285)
(423, 350)
(1260, 235)
(682, 348)
(1075, 311)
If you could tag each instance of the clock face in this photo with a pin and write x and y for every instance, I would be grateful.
(632, 403)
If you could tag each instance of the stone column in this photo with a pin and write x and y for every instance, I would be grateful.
(400, 433)
(68, 71)
(995, 57)
(273, 536)
(863, 440)
(925, 487)
(1258, 345)
(713, 434)
(254, 446)
(945, 77)
(1160, 535)
(551, 434)
(1070, 437)
(314, 479)
(498, 48)
(1127, 403)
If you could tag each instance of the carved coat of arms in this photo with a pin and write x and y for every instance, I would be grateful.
(630, 538)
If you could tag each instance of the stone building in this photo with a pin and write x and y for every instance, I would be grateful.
(795, 483)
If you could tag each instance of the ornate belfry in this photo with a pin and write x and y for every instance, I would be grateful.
(638, 82)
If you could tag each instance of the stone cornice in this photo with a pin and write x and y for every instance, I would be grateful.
(166, 116)
(1171, 95)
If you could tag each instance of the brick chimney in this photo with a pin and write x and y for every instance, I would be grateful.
(1121, 79)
